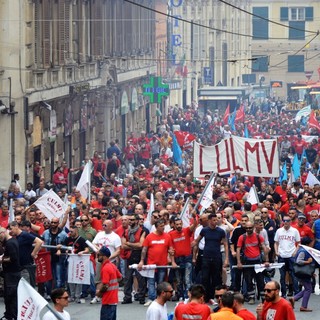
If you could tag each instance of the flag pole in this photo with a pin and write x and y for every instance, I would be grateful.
(55, 313)
(89, 180)
(204, 190)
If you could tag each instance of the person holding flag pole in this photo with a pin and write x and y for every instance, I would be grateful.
(205, 199)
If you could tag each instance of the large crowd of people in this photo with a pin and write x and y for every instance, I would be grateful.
(134, 217)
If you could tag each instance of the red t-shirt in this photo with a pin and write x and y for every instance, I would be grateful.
(4, 221)
(304, 231)
(116, 223)
(186, 311)
(281, 310)
(110, 275)
(251, 246)
(158, 246)
(246, 314)
(239, 195)
(96, 224)
(181, 242)
(238, 214)
(309, 208)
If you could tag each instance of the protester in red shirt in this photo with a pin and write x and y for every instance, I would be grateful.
(181, 238)
(109, 287)
(240, 310)
(274, 306)
(300, 145)
(157, 244)
(195, 308)
(303, 229)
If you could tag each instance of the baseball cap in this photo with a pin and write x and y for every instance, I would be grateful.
(104, 251)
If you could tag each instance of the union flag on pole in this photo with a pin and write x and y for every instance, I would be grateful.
(226, 115)
(30, 302)
(313, 122)
(184, 138)
(240, 114)
(43, 270)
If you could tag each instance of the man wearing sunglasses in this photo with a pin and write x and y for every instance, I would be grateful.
(158, 308)
(59, 298)
(274, 307)
(286, 244)
(252, 244)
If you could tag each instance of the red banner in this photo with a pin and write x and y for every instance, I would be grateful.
(43, 263)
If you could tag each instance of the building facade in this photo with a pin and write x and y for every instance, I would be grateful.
(72, 72)
(285, 48)
(209, 45)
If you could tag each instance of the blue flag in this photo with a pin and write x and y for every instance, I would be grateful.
(177, 153)
(231, 120)
(284, 173)
(296, 163)
(246, 131)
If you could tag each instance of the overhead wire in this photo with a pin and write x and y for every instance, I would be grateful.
(266, 19)
(281, 62)
(196, 23)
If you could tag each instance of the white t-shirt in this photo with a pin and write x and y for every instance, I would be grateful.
(111, 240)
(196, 234)
(287, 241)
(157, 312)
(50, 316)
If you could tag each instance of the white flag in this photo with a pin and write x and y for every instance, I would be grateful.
(252, 196)
(207, 197)
(11, 211)
(185, 214)
(79, 269)
(51, 205)
(311, 179)
(84, 182)
(30, 302)
(151, 208)
(313, 252)
(148, 271)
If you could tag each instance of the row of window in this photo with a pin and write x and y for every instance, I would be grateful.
(295, 16)
(295, 64)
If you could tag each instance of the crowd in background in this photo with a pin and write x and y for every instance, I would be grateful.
(126, 178)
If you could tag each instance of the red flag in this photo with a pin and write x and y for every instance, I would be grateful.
(43, 270)
(226, 115)
(313, 122)
(184, 138)
(240, 114)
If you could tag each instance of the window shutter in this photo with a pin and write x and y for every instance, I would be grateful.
(295, 34)
(260, 27)
(67, 37)
(37, 32)
(309, 13)
(46, 32)
(284, 14)
(97, 28)
(61, 32)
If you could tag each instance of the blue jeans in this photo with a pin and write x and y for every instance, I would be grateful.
(108, 312)
(58, 272)
(158, 278)
(183, 275)
(288, 266)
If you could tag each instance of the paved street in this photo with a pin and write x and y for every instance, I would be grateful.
(137, 312)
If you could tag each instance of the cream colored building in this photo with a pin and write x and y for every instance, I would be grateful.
(74, 71)
(211, 43)
(286, 51)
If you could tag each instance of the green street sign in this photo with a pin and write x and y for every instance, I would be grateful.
(155, 90)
